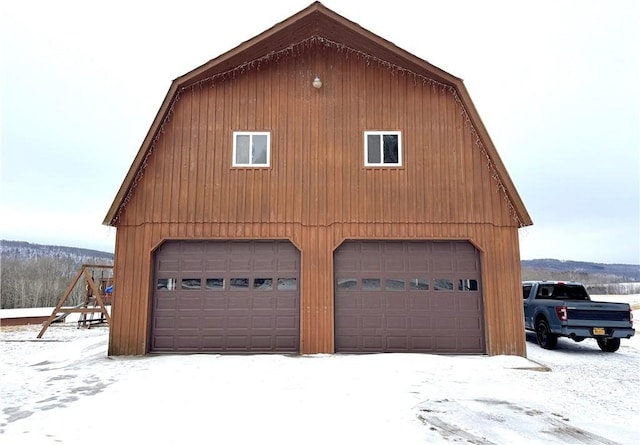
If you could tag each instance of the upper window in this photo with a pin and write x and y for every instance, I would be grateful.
(251, 149)
(382, 148)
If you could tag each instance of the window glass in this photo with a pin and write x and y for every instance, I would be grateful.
(468, 285)
(166, 284)
(287, 284)
(526, 290)
(259, 149)
(239, 283)
(215, 283)
(347, 283)
(394, 284)
(371, 284)
(373, 149)
(419, 284)
(545, 291)
(263, 283)
(190, 283)
(242, 149)
(390, 148)
(251, 149)
(383, 148)
(442, 284)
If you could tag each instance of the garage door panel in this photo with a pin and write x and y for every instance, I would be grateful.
(166, 302)
(373, 342)
(213, 265)
(286, 302)
(397, 322)
(286, 342)
(397, 302)
(443, 303)
(164, 342)
(419, 302)
(284, 322)
(466, 265)
(369, 321)
(168, 265)
(213, 342)
(165, 322)
(266, 302)
(191, 265)
(419, 323)
(189, 302)
(470, 343)
(226, 296)
(217, 303)
(445, 343)
(421, 343)
(261, 342)
(268, 265)
(443, 264)
(371, 264)
(287, 265)
(239, 302)
(400, 342)
(240, 264)
(238, 342)
(262, 322)
(469, 323)
(422, 297)
(371, 301)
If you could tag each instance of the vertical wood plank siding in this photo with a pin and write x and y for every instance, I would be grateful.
(317, 192)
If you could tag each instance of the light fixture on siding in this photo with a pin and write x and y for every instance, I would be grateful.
(317, 83)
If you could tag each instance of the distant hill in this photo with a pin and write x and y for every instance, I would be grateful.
(21, 250)
(593, 272)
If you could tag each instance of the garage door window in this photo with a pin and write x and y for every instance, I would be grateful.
(287, 284)
(347, 284)
(468, 285)
(166, 284)
(394, 284)
(371, 284)
(263, 284)
(239, 284)
(190, 284)
(215, 284)
(443, 284)
(419, 284)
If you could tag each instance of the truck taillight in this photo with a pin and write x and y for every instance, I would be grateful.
(562, 313)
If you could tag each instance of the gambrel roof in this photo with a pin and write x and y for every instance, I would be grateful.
(318, 24)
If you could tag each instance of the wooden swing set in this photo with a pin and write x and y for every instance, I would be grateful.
(94, 302)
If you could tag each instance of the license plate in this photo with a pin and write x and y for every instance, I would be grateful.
(598, 331)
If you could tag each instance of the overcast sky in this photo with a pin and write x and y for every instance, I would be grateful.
(555, 82)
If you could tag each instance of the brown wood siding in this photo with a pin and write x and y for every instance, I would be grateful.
(317, 191)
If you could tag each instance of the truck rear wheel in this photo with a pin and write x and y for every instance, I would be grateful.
(545, 338)
(608, 344)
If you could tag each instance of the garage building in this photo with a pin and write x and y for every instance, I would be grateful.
(316, 190)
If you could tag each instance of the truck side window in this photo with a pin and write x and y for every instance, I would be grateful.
(526, 290)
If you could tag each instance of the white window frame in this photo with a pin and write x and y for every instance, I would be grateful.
(251, 134)
(381, 134)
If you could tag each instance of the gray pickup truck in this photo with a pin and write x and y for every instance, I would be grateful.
(555, 309)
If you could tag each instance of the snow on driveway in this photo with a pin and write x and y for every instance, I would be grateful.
(63, 389)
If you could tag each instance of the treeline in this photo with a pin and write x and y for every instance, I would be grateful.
(41, 281)
(596, 283)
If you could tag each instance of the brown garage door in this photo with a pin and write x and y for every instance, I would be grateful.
(226, 296)
(406, 296)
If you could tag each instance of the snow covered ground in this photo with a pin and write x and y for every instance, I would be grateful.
(63, 389)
